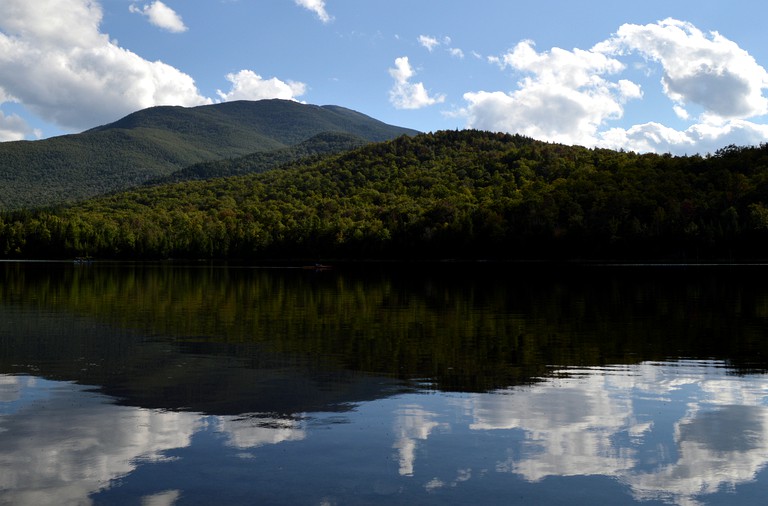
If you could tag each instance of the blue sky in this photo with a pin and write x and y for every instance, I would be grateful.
(667, 76)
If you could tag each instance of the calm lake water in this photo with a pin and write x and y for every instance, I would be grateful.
(173, 385)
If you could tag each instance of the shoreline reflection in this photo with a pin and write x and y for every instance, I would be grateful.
(170, 385)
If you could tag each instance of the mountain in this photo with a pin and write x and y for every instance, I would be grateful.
(158, 141)
(445, 195)
(321, 144)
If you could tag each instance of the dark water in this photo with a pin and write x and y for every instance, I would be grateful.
(167, 384)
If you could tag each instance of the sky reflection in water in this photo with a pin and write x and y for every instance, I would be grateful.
(683, 432)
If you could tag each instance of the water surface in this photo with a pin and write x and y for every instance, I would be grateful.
(167, 384)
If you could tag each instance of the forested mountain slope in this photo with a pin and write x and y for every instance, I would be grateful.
(158, 141)
(460, 195)
(322, 144)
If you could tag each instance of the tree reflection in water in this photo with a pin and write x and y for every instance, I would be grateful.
(186, 384)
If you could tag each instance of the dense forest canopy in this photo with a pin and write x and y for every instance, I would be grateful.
(446, 195)
(321, 144)
(156, 142)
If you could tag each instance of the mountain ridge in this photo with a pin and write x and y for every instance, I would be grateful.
(449, 195)
(158, 141)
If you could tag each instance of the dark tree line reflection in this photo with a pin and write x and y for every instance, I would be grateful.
(451, 327)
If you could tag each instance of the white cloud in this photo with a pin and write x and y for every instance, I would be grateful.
(710, 71)
(563, 96)
(430, 43)
(681, 112)
(247, 85)
(571, 96)
(56, 62)
(161, 16)
(57, 22)
(318, 7)
(705, 137)
(405, 94)
(648, 137)
(13, 128)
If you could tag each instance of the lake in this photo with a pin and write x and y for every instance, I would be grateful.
(167, 384)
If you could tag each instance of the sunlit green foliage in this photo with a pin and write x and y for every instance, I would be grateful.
(468, 194)
(156, 142)
(321, 144)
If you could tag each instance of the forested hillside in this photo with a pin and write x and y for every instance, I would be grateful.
(156, 142)
(453, 194)
(321, 144)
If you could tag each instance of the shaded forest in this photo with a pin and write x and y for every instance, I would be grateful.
(467, 195)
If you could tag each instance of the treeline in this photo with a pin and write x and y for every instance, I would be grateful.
(451, 194)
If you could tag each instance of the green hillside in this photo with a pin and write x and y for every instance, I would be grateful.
(447, 195)
(158, 141)
(322, 144)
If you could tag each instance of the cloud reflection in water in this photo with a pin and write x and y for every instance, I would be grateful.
(608, 421)
(674, 432)
(60, 443)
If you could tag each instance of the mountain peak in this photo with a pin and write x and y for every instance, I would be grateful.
(286, 121)
(157, 141)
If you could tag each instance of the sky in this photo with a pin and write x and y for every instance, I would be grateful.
(672, 76)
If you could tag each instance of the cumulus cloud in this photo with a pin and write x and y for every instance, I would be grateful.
(574, 96)
(318, 7)
(705, 137)
(563, 96)
(56, 63)
(13, 128)
(247, 85)
(161, 16)
(708, 70)
(406, 94)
